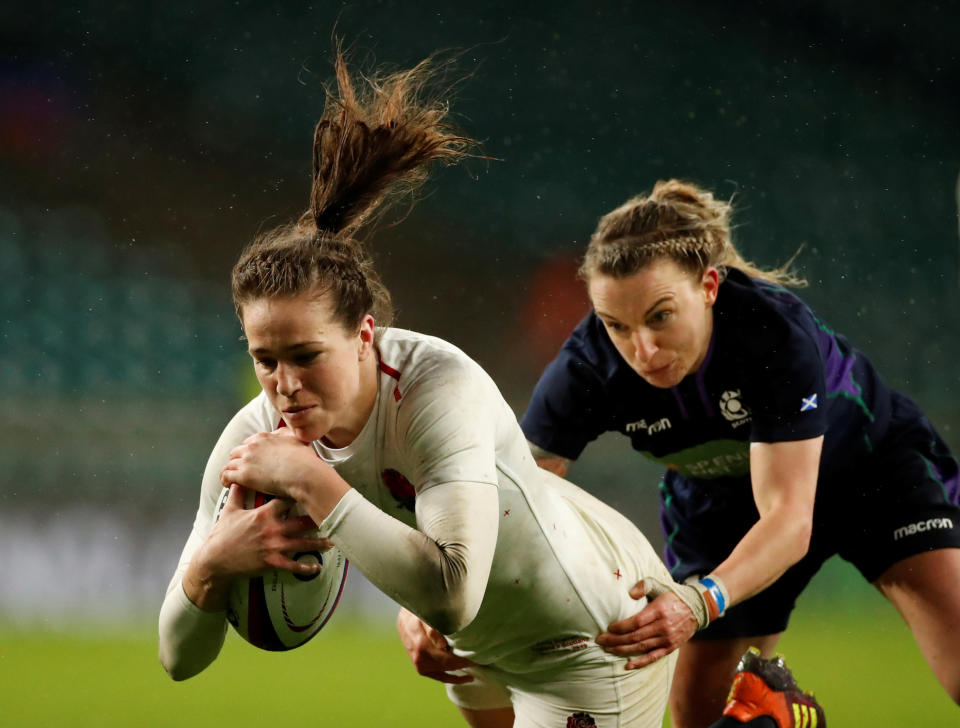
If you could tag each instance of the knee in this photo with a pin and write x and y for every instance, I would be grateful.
(950, 680)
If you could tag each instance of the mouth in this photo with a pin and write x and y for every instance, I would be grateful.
(656, 370)
(296, 412)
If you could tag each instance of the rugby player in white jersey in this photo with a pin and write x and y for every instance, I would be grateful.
(403, 451)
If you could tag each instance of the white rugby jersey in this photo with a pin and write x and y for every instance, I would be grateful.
(452, 518)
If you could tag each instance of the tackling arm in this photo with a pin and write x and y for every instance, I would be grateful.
(784, 480)
(784, 477)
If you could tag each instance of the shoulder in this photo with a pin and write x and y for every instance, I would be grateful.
(258, 415)
(418, 368)
(442, 411)
(409, 357)
(764, 313)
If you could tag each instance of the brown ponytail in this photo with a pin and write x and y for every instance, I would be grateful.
(375, 141)
(678, 220)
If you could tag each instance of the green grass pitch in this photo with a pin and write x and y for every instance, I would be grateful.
(859, 658)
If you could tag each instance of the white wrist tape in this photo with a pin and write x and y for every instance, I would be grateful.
(707, 597)
(715, 596)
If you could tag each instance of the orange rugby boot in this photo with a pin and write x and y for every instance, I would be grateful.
(766, 687)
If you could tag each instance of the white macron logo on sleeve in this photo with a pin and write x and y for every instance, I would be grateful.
(921, 526)
(659, 426)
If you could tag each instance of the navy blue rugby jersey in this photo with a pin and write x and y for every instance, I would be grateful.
(773, 373)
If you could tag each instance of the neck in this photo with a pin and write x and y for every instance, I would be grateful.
(706, 343)
(362, 407)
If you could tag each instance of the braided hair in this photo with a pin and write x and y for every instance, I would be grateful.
(679, 221)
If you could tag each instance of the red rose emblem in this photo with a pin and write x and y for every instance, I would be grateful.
(400, 488)
(581, 720)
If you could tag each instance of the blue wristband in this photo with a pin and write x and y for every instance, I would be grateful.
(715, 591)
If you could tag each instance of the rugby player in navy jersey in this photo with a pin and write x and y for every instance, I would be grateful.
(782, 445)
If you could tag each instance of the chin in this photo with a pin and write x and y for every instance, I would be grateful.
(661, 382)
(304, 432)
(669, 377)
(304, 435)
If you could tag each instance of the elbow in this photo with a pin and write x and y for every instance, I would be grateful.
(178, 670)
(446, 621)
(174, 671)
(451, 618)
(176, 675)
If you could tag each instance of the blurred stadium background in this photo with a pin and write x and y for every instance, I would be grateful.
(142, 144)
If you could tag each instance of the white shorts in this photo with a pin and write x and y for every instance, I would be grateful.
(602, 694)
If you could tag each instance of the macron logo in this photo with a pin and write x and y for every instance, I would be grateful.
(659, 426)
(921, 526)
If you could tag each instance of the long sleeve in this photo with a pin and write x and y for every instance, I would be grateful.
(189, 637)
(438, 572)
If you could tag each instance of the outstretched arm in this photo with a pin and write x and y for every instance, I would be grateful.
(784, 480)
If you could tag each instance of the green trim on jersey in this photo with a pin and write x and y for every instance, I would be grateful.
(714, 459)
(667, 497)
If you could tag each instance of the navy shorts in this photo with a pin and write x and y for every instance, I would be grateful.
(898, 501)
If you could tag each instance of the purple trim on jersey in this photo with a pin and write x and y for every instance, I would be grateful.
(683, 409)
(951, 485)
(701, 374)
(837, 368)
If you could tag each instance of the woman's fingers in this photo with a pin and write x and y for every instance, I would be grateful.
(638, 645)
(285, 563)
(659, 629)
(299, 524)
(649, 631)
(648, 658)
(295, 545)
(234, 498)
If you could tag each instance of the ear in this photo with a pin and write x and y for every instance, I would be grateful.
(711, 284)
(365, 337)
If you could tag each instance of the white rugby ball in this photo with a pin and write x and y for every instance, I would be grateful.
(279, 610)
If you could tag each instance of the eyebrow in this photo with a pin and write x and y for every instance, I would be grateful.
(658, 302)
(289, 349)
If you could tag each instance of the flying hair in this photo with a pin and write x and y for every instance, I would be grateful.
(677, 220)
(376, 141)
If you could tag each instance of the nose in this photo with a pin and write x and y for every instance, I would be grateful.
(288, 383)
(644, 345)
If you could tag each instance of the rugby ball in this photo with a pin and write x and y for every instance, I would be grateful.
(279, 610)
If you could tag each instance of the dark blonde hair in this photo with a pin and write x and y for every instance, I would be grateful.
(375, 141)
(678, 220)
